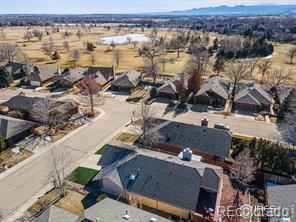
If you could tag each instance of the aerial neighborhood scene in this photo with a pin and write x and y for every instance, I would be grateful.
(148, 111)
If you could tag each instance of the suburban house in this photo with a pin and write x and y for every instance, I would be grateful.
(55, 214)
(13, 130)
(282, 196)
(42, 76)
(18, 69)
(103, 75)
(282, 93)
(209, 143)
(69, 77)
(25, 104)
(169, 88)
(252, 97)
(127, 81)
(174, 185)
(107, 210)
(214, 92)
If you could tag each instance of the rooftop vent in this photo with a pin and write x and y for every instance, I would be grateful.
(153, 219)
(187, 154)
(132, 177)
(204, 122)
(126, 215)
(98, 219)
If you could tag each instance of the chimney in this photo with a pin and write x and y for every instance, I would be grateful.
(126, 215)
(187, 154)
(113, 72)
(59, 71)
(204, 122)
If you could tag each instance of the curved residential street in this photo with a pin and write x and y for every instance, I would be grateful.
(22, 182)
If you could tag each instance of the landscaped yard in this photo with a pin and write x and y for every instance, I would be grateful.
(8, 158)
(102, 150)
(72, 202)
(127, 137)
(138, 95)
(82, 175)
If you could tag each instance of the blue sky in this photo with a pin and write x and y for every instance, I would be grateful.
(117, 6)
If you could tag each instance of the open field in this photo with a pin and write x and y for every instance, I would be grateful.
(104, 54)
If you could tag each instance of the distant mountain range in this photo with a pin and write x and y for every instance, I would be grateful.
(239, 10)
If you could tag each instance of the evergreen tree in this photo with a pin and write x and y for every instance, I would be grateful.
(2, 144)
(90, 47)
(219, 65)
(5, 77)
(55, 56)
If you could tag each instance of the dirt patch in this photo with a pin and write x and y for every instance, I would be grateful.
(10, 159)
(72, 202)
(127, 137)
(63, 130)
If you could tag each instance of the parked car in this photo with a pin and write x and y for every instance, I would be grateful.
(222, 126)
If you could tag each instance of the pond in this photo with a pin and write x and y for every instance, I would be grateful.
(123, 39)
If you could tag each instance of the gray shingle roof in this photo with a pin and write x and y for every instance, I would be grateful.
(167, 181)
(252, 94)
(43, 74)
(104, 74)
(15, 68)
(128, 79)
(212, 141)
(73, 75)
(56, 214)
(170, 86)
(282, 196)
(10, 126)
(215, 86)
(109, 210)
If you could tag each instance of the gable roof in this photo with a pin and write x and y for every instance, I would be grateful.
(25, 103)
(113, 211)
(215, 142)
(104, 74)
(10, 126)
(282, 196)
(128, 79)
(215, 86)
(72, 75)
(56, 214)
(42, 74)
(169, 181)
(252, 94)
(170, 86)
(15, 67)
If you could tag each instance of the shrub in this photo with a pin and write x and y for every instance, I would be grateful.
(2, 144)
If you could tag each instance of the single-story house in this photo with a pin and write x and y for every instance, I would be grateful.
(25, 104)
(282, 197)
(110, 210)
(210, 143)
(252, 97)
(13, 130)
(42, 76)
(169, 88)
(103, 75)
(56, 214)
(214, 92)
(107, 210)
(282, 93)
(69, 77)
(127, 81)
(18, 69)
(149, 179)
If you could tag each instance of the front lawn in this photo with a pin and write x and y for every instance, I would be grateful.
(127, 137)
(8, 158)
(82, 175)
(102, 150)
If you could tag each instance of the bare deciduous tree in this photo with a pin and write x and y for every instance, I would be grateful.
(66, 46)
(92, 57)
(75, 56)
(117, 57)
(90, 88)
(79, 34)
(196, 66)
(151, 54)
(8, 52)
(236, 72)
(291, 54)
(48, 47)
(135, 43)
(38, 34)
(146, 116)
(264, 67)
(2, 35)
(253, 64)
(28, 36)
(59, 168)
(44, 111)
(277, 77)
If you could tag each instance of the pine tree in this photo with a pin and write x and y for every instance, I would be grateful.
(219, 65)
(5, 77)
(55, 56)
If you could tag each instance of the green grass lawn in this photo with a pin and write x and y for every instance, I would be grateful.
(102, 150)
(127, 137)
(82, 175)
